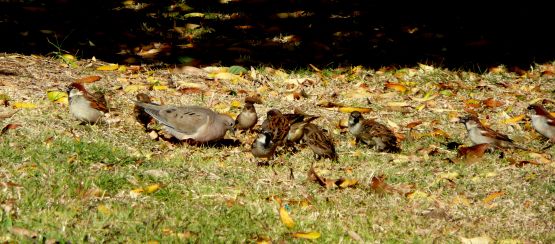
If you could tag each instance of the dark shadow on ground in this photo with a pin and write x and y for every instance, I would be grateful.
(289, 34)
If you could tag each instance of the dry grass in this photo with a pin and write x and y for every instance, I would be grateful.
(69, 182)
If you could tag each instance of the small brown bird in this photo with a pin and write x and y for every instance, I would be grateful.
(263, 146)
(86, 107)
(143, 117)
(372, 133)
(296, 129)
(248, 118)
(319, 141)
(480, 134)
(542, 121)
(277, 125)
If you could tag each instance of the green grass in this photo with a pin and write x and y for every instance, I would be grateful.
(75, 183)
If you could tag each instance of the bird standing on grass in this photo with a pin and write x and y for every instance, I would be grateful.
(372, 133)
(86, 107)
(319, 141)
(480, 134)
(190, 122)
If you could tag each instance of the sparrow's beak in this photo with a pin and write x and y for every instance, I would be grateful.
(463, 120)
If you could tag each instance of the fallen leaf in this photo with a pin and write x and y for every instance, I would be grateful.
(23, 232)
(472, 103)
(413, 124)
(103, 209)
(159, 87)
(474, 152)
(352, 109)
(88, 79)
(235, 104)
(492, 196)
(134, 88)
(396, 86)
(8, 115)
(9, 127)
(285, 217)
(109, 67)
(378, 184)
(24, 105)
(492, 103)
(514, 120)
(476, 240)
(57, 96)
(344, 183)
(312, 235)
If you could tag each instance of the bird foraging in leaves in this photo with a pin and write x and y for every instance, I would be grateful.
(372, 133)
(143, 117)
(190, 122)
(277, 125)
(86, 107)
(319, 141)
(542, 121)
(248, 118)
(263, 146)
(480, 134)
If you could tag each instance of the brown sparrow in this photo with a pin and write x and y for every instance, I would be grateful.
(190, 122)
(277, 125)
(247, 118)
(84, 106)
(372, 133)
(480, 134)
(140, 114)
(542, 121)
(319, 141)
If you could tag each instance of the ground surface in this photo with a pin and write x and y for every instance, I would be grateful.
(112, 182)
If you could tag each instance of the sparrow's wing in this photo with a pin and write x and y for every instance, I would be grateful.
(278, 125)
(551, 122)
(319, 141)
(485, 131)
(98, 101)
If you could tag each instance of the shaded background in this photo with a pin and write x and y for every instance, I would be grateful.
(285, 33)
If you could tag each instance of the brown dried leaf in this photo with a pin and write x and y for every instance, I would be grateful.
(9, 127)
(396, 86)
(492, 103)
(24, 232)
(378, 184)
(475, 152)
(88, 79)
(414, 124)
(8, 115)
(190, 90)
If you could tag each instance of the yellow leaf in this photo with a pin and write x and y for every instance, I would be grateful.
(461, 200)
(476, 240)
(417, 195)
(122, 68)
(159, 88)
(397, 104)
(396, 86)
(103, 209)
(152, 188)
(109, 67)
(347, 182)
(235, 104)
(449, 176)
(312, 235)
(492, 196)
(515, 119)
(133, 88)
(54, 96)
(225, 76)
(285, 218)
(352, 109)
(68, 57)
(23, 105)
(137, 191)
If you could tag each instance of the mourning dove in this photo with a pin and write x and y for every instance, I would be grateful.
(372, 133)
(190, 122)
(85, 106)
(319, 141)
